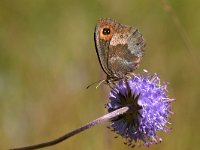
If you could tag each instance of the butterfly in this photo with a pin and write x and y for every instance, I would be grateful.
(119, 48)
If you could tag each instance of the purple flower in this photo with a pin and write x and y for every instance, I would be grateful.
(149, 109)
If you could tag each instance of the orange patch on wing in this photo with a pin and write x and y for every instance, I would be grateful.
(106, 37)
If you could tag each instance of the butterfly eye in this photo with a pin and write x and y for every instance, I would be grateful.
(106, 31)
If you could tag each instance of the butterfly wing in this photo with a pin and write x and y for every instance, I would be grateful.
(125, 50)
(102, 43)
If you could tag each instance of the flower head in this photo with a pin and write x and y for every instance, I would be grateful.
(149, 109)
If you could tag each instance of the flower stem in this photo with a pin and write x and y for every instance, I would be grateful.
(106, 117)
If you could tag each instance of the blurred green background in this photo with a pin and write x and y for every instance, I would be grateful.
(47, 58)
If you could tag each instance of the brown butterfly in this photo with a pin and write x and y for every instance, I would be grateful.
(119, 48)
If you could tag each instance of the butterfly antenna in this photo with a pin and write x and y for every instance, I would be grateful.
(99, 81)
